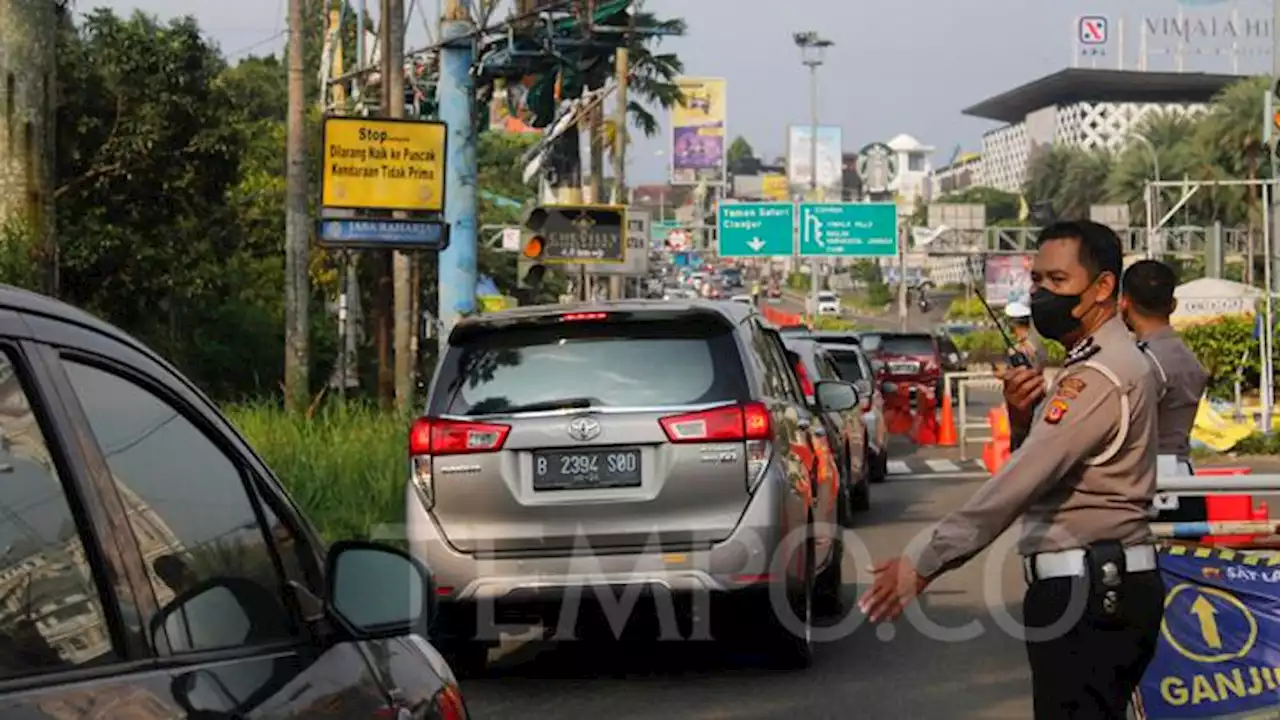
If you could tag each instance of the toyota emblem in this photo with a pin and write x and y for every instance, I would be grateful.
(584, 428)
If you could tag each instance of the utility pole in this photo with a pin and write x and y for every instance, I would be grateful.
(402, 267)
(622, 65)
(812, 50)
(457, 269)
(1268, 336)
(297, 285)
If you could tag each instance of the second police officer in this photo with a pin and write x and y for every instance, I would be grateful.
(1146, 302)
(1082, 482)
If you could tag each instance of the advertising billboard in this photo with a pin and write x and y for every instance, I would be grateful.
(1008, 279)
(830, 159)
(698, 132)
(773, 186)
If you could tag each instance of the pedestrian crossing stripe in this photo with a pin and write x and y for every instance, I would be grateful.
(1201, 552)
(935, 466)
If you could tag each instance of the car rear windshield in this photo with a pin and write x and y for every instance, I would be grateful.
(907, 345)
(826, 296)
(633, 363)
(848, 365)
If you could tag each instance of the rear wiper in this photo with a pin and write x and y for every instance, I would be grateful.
(561, 404)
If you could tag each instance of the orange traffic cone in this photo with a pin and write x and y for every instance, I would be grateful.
(947, 432)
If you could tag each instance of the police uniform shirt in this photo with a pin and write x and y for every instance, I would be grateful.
(1182, 380)
(1086, 471)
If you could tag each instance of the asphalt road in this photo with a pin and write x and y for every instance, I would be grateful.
(875, 672)
(916, 320)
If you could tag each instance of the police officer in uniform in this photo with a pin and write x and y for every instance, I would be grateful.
(1082, 481)
(1025, 340)
(1146, 302)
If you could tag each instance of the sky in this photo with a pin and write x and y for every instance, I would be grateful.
(897, 66)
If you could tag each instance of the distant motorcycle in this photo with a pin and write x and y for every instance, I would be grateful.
(924, 305)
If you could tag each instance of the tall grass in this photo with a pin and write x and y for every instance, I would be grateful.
(346, 466)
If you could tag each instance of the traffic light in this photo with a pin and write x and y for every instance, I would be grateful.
(530, 270)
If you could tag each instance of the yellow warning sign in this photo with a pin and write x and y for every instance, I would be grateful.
(380, 164)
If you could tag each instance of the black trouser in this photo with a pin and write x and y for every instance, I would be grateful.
(1089, 668)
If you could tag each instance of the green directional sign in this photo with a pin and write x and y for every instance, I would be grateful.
(848, 229)
(756, 229)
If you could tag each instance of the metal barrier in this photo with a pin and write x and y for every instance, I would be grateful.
(972, 431)
(1253, 529)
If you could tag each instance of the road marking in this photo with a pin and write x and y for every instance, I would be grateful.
(942, 476)
(942, 466)
(898, 467)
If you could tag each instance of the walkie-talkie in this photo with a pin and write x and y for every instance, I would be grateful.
(1016, 357)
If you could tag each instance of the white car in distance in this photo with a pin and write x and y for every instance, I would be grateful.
(828, 303)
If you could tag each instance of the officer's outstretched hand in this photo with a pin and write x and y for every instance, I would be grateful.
(896, 584)
(1023, 388)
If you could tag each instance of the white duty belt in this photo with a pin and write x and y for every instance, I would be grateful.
(1071, 563)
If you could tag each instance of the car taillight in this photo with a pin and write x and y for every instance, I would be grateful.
(748, 423)
(431, 437)
(447, 705)
(806, 385)
(579, 317)
(727, 424)
(434, 436)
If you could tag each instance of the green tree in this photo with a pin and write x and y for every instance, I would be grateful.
(168, 177)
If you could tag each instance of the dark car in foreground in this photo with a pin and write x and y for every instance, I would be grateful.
(155, 567)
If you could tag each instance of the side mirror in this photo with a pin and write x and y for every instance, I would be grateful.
(378, 591)
(219, 613)
(835, 396)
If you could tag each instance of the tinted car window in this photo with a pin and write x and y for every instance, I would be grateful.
(617, 364)
(51, 615)
(907, 345)
(187, 503)
(870, 342)
(849, 365)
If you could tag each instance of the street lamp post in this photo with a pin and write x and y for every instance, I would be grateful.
(813, 49)
(1150, 197)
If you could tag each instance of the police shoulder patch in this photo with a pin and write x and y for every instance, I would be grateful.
(1070, 388)
(1056, 411)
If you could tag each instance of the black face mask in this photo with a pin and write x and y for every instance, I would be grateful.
(1051, 314)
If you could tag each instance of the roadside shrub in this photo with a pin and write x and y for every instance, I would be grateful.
(1226, 348)
(346, 466)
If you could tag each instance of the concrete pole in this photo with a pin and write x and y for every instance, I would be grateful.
(815, 278)
(457, 269)
(401, 264)
(622, 66)
(297, 285)
(1272, 218)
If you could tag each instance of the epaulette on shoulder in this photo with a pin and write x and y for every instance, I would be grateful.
(1082, 352)
(1202, 552)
